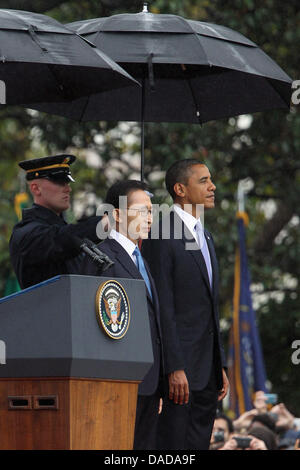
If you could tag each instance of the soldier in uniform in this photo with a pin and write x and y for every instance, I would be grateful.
(42, 244)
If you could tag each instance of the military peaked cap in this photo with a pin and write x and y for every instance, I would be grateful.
(56, 167)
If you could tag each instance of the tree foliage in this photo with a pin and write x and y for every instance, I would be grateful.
(266, 151)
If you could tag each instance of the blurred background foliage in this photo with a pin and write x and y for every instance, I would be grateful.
(263, 148)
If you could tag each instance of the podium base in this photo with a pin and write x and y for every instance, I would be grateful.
(67, 414)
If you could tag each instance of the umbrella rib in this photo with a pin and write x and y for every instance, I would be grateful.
(84, 108)
(197, 106)
(34, 37)
(270, 81)
(62, 90)
(198, 112)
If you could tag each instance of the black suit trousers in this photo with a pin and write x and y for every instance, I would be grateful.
(146, 422)
(189, 427)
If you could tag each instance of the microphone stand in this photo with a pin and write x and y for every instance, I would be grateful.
(97, 255)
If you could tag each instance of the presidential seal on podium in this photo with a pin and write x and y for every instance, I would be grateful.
(113, 309)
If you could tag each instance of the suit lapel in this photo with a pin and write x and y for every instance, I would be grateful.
(213, 259)
(128, 264)
(124, 259)
(154, 298)
(187, 237)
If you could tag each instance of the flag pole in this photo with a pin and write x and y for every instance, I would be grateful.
(244, 186)
(241, 197)
(247, 371)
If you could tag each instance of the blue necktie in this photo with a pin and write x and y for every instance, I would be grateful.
(142, 269)
(204, 249)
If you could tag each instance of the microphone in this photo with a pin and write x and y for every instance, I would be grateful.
(91, 250)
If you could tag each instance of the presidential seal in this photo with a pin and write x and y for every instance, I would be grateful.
(113, 309)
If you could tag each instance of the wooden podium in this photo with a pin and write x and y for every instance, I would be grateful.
(64, 382)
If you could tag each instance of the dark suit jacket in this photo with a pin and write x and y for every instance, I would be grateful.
(126, 268)
(188, 306)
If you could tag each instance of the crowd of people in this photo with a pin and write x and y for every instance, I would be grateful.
(264, 427)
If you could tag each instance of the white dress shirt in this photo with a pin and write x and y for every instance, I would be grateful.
(127, 244)
(191, 222)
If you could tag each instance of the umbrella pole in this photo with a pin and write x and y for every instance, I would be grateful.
(142, 149)
(143, 129)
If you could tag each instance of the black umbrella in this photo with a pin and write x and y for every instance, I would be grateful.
(190, 72)
(42, 60)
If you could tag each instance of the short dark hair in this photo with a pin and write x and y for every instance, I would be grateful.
(226, 418)
(123, 188)
(266, 419)
(265, 434)
(179, 172)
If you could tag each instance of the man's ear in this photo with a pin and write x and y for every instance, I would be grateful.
(116, 215)
(179, 189)
(34, 188)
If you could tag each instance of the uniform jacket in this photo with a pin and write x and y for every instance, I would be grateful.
(41, 245)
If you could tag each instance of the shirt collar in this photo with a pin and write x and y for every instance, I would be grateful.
(127, 244)
(188, 219)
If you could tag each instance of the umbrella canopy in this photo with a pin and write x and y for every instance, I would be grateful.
(42, 60)
(190, 71)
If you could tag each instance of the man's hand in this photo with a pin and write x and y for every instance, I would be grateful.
(285, 418)
(245, 419)
(231, 444)
(260, 402)
(257, 444)
(178, 387)
(223, 392)
(160, 406)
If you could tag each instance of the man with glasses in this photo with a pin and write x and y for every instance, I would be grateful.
(42, 244)
(131, 219)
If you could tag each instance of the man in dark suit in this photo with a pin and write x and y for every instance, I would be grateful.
(132, 223)
(183, 263)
